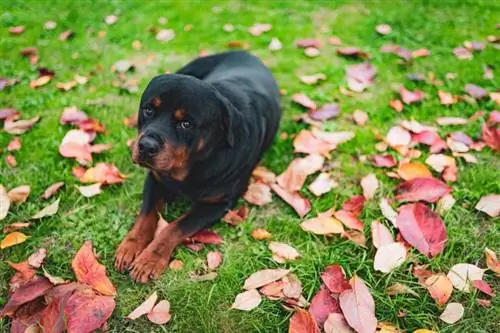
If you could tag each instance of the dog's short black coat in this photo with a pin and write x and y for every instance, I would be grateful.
(201, 133)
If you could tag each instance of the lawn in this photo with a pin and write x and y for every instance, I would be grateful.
(105, 219)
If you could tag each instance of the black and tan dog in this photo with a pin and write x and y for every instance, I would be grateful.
(201, 133)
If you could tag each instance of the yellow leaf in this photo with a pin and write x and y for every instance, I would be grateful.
(12, 239)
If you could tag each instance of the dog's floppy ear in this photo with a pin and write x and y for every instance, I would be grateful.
(227, 124)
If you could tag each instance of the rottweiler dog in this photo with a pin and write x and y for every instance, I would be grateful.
(201, 131)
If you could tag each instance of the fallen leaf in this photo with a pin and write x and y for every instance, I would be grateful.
(214, 259)
(259, 28)
(400, 288)
(86, 311)
(475, 91)
(354, 205)
(273, 290)
(440, 288)
(160, 314)
(305, 43)
(369, 183)
(411, 170)
(327, 111)
(312, 52)
(336, 323)
(63, 36)
(492, 261)
(447, 98)
(322, 225)
(420, 53)
(19, 194)
(72, 115)
(303, 322)
(334, 278)
(293, 178)
(462, 53)
(489, 204)
(14, 144)
(360, 117)
(51, 190)
(422, 189)
(165, 35)
(398, 136)
(90, 190)
(261, 234)
(144, 308)
(384, 161)
(313, 78)
(304, 101)
(486, 303)
(292, 286)
(105, 173)
(12, 239)
(352, 52)
(355, 236)
(15, 226)
(323, 304)
(11, 161)
(17, 30)
(300, 204)
(275, 45)
(381, 236)
(111, 19)
(88, 270)
(349, 219)
(387, 211)
(358, 306)
(283, 251)
(483, 286)
(258, 194)
(422, 228)
(397, 105)
(439, 162)
(306, 142)
(237, 216)
(360, 77)
(263, 277)
(206, 277)
(444, 204)
(20, 126)
(462, 275)
(383, 29)
(322, 184)
(36, 287)
(247, 300)
(389, 257)
(491, 137)
(447, 121)
(4, 202)
(36, 259)
(55, 280)
(452, 313)
(410, 97)
(47, 211)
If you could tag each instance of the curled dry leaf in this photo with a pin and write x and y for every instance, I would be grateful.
(47, 211)
(284, 251)
(258, 194)
(462, 275)
(322, 184)
(352, 52)
(323, 225)
(36, 259)
(15, 226)
(387, 211)
(492, 261)
(160, 314)
(12, 239)
(263, 277)
(303, 322)
(444, 204)
(273, 290)
(88, 270)
(11, 161)
(358, 306)
(19, 194)
(144, 308)
(105, 173)
(261, 234)
(247, 300)
(356, 236)
(334, 278)
(381, 236)
(400, 288)
(389, 257)
(20, 126)
(301, 205)
(369, 183)
(452, 313)
(422, 189)
(447, 98)
(214, 259)
(422, 228)
(489, 204)
(491, 136)
(440, 288)
(51, 190)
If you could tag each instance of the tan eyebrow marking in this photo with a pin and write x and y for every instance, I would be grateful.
(156, 101)
(179, 114)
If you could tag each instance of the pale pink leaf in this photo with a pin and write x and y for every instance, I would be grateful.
(358, 307)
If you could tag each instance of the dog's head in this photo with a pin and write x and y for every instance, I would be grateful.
(181, 120)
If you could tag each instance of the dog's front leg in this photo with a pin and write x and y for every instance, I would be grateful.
(153, 261)
(142, 233)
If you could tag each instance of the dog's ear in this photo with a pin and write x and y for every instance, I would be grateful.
(227, 124)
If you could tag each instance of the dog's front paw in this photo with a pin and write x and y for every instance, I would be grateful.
(129, 249)
(148, 266)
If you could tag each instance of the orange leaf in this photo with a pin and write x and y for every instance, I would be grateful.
(303, 322)
(440, 288)
(91, 272)
(12, 239)
(412, 170)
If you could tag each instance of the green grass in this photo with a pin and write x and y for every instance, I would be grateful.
(204, 306)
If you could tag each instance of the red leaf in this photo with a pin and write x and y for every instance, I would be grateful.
(72, 115)
(85, 311)
(237, 216)
(306, 142)
(52, 319)
(27, 316)
(358, 307)
(475, 91)
(385, 161)
(349, 219)
(300, 204)
(305, 43)
(91, 272)
(24, 273)
(355, 204)
(483, 286)
(293, 178)
(352, 52)
(206, 237)
(322, 305)
(27, 292)
(106, 173)
(303, 322)
(410, 97)
(422, 228)
(258, 194)
(304, 101)
(425, 189)
(334, 278)
(14, 144)
(491, 135)
(326, 112)
(360, 77)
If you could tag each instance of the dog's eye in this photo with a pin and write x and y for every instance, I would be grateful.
(184, 124)
(148, 112)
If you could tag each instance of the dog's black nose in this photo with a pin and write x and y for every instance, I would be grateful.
(148, 147)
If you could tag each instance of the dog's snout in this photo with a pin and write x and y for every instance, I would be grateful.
(148, 147)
